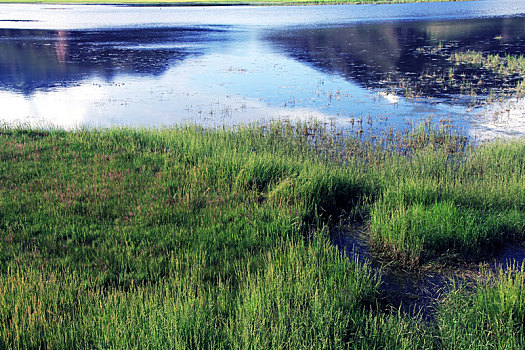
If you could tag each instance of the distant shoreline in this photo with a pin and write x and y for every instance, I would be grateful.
(189, 3)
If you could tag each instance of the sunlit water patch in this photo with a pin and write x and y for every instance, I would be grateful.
(367, 68)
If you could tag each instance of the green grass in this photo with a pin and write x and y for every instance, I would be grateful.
(491, 317)
(188, 237)
(473, 78)
(199, 238)
(504, 65)
(438, 201)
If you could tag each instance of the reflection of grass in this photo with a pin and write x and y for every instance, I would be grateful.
(199, 238)
(223, 2)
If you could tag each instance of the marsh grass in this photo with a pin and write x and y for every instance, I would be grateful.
(504, 65)
(470, 78)
(190, 237)
(437, 202)
(218, 238)
(490, 317)
(510, 67)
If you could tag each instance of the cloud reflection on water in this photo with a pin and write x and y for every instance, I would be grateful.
(162, 75)
(33, 60)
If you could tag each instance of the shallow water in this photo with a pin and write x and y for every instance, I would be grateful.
(412, 291)
(154, 66)
(418, 290)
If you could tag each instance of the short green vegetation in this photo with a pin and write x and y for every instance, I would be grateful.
(199, 238)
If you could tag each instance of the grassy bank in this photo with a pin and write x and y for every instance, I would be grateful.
(222, 2)
(186, 237)
(199, 238)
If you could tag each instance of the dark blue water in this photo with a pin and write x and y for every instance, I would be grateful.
(72, 66)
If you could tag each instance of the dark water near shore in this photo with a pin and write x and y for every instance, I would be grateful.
(418, 290)
(358, 66)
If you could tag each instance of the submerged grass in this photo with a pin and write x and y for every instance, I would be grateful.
(511, 67)
(198, 238)
(504, 65)
(470, 78)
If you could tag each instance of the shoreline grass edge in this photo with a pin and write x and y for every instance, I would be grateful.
(125, 238)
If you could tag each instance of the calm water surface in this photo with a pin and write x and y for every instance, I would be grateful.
(153, 66)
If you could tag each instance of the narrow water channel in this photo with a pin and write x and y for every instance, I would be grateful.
(417, 291)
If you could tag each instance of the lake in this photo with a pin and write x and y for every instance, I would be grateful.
(366, 68)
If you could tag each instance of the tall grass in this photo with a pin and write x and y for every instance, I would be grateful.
(186, 238)
(199, 238)
(437, 202)
(492, 317)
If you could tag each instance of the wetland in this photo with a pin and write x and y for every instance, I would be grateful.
(263, 177)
